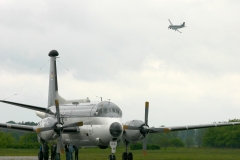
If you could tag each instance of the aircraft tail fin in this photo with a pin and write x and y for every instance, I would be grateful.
(53, 84)
(170, 21)
(183, 24)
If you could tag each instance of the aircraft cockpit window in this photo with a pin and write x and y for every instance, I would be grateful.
(100, 111)
(105, 108)
(113, 109)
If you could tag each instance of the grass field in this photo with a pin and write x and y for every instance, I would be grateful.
(169, 154)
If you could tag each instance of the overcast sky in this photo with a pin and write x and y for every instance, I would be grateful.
(123, 51)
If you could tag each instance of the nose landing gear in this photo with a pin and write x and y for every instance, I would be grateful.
(113, 145)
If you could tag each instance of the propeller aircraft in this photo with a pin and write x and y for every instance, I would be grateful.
(84, 123)
(176, 27)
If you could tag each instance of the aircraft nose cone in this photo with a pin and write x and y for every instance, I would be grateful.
(115, 129)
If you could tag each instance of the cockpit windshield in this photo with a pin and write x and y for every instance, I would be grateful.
(108, 108)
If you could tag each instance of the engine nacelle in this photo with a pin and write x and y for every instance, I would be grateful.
(50, 134)
(133, 135)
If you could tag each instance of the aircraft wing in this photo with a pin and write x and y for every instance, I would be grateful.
(170, 22)
(178, 31)
(36, 108)
(181, 128)
(18, 127)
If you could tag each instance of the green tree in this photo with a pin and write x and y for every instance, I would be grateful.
(12, 122)
(6, 140)
(165, 141)
(28, 140)
(161, 139)
(189, 142)
(223, 137)
(199, 133)
(136, 146)
(176, 142)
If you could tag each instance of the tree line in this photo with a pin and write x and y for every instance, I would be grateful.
(16, 139)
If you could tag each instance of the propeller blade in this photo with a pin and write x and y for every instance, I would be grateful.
(146, 112)
(131, 127)
(145, 128)
(145, 146)
(41, 129)
(73, 125)
(60, 144)
(57, 111)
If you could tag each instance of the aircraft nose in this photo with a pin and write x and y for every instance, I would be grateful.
(115, 129)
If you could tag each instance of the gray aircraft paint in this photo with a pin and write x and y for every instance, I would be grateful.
(175, 27)
(85, 135)
(53, 86)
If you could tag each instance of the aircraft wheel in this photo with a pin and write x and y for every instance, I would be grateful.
(111, 157)
(40, 156)
(130, 156)
(124, 156)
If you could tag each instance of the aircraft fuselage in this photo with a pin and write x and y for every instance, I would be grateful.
(175, 26)
(98, 120)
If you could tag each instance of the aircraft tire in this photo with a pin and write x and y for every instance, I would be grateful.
(124, 156)
(130, 156)
(40, 156)
(111, 157)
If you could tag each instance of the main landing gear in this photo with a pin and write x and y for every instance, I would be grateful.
(113, 145)
(126, 155)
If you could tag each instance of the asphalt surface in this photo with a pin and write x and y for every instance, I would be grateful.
(18, 158)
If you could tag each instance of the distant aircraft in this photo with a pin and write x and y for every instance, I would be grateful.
(176, 27)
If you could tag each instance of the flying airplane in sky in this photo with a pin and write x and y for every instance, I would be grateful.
(176, 27)
(84, 123)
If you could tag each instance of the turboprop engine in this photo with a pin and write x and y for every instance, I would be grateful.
(51, 128)
(48, 135)
(133, 135)
(137, 130)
